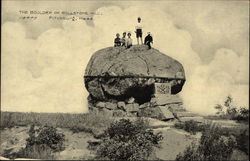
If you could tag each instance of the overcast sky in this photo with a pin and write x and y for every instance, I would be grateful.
(43, 60)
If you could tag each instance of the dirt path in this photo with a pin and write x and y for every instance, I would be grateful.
(76, 146)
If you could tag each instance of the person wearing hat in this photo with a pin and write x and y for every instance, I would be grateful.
(148, 40)
(138, 31)
(123, 39)
(117, 41)
(129, 41)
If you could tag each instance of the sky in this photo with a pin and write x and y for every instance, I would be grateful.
(43, 60)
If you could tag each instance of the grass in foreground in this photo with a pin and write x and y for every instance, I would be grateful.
(93, 123)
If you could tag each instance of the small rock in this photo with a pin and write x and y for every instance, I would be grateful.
(130, 100)
(149, 112)
(167, 114)
(121, 105)
(111, 106)
(136, 105)
(101, 105)
(145, 105)
(132, 107)
(163, 99)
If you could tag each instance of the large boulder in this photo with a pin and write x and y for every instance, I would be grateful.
(118, 73)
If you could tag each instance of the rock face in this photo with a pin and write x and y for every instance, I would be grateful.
(116, 73)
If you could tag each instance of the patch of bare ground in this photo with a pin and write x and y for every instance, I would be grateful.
(75, 146)
(174, 142)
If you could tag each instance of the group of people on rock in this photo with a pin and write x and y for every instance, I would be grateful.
(127, 42)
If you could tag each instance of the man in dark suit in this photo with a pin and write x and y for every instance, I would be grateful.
(148, 40)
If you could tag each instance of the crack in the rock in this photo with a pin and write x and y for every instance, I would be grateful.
(110, 67)
(145, 63)
(103, 91)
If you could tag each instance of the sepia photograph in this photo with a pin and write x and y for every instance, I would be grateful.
(125, 80)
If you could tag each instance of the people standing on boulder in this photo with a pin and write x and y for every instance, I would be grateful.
(117, 41)
(123, 39)
(138, 31)
(148, 40)
(129, 41)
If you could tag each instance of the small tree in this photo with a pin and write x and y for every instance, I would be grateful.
(228, 101)
(126, 140)
(219, 109)
(230, 111)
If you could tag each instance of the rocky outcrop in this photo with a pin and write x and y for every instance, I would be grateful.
(13, 141)
(161, 107)
(115, 73)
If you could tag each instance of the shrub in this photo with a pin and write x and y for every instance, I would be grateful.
(216, 146)
(126, 140)
(189, 154)
(190, 126)
(42, 142)
(212, 146)
(49, 136)
(243, 141)
(242, 115)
